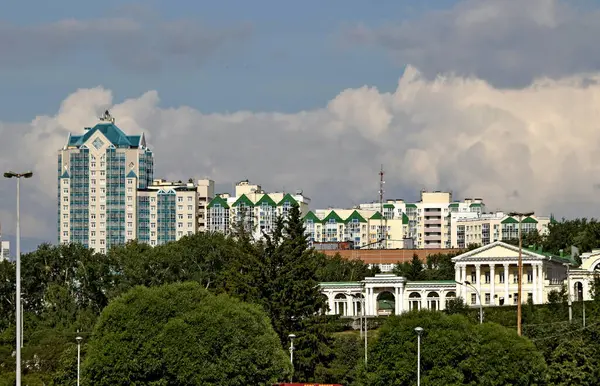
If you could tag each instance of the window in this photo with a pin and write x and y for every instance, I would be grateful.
(180, 233)
(189, 224)
(93, 181)
(501, 276)
(129, 233)
(190, 216)
(129, 225)
(93, 233)
(129, 181)
(102, 173)
(102, 225)
(102, 207)
(190, 198)
(93, 216)
(93, 173)
(473, 298)
(65, 207)
(102, 216)
(129, 190)
(529, 276)
(65, 233)
(179, 225)
(515, 277)
(473, 277)
(102, 241)
(66, 190)
(66, 199)
(515, 298)
(487, 277)
(179, 207)
(93, 190)
(179, 199)
(180, 216)
(487, 298)
(129, 216)
(190, 207)
(93, 225)
(129, 199)
(65, 216)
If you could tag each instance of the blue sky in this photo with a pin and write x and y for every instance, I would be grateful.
(291, 61)
(494, 99)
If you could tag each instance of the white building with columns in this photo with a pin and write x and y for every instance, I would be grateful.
(488, 273)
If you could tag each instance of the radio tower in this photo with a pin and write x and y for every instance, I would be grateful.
(381, 192)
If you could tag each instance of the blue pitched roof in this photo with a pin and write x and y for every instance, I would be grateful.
(131, 175)
(115, 135)
(65, 175)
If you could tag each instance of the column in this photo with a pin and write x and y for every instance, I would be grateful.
(506, 281)
(478, 277)
(535, 283)
(492, 284)
(396, 302)
(331, 303)
(541, 283)
(349, 305)
(463, 287)
(368, 301)
(457, 272)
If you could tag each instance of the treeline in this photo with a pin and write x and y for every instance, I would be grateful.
(66, 287)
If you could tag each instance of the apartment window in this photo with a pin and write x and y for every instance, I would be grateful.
(102, 207)
(473, 277)
(501, 276)
(179, 207)
(65, 182)
(66, 199)
(153, 242)
(65, 207)
(153, 234)
(189, 233)
(93, 173)
(66, 190)
(530, 297)
(487, 298)
(93, 181)
(129, 225)
(93, 242)
(190, 216)
(65, 215)
(153, 225)
(130, 207)
(65, 233)
(129, 215)
(93, 216)
(102, 216)
(190, 198)
(102, 241)
(179, 225)
(93, 225)
(180, 233)
(153, 207)
(487, 277)
(93, 190)
(529, 276)
(129, 190)
(93, 164)
(102, 173)
(153, 216)
(152, 199)
(473, 298)
(189, 224)
(93, 233)
(179, 199)
(129, 181)
(180, 216)
(93, 207)
(190, 207)
(102, 233)
(515, 298)
(515, 277)
(129, 233)
(102, 250)
(129, 199)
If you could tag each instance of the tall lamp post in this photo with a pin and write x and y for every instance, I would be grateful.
(78, 339)
(18, 176)
(520, 215)
(292, 337)
(468, 283)
(419, 331)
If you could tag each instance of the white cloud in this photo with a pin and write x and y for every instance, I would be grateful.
(530, 148)
(508, 42)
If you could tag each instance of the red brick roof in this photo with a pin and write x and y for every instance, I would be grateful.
(388, 256)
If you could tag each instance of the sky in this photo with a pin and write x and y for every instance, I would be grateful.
(496, 99)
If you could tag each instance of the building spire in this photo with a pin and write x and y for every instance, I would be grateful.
(106, 117)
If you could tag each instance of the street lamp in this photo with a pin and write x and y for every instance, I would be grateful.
(78, 339)
(419, 331)
(18, 176)
(468, 283)
(292, 337)
(520, 215)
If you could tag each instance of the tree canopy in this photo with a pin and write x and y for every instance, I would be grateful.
(181, 334)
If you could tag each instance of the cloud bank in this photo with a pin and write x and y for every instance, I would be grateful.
(531, 148)
(508, 42)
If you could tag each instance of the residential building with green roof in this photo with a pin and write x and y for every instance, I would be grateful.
(471, 228)
(99, 175)
(429, 219)
(252, 206)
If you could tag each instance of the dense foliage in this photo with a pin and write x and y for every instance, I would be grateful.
(66, 288)
(181, 334)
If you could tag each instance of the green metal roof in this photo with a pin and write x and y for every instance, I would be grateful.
(333, 215)
(265, 199)
(243, 199)
(287, 198)
(411, 205)
(529, 220)
(376, 216)
(310, 216)
(388, 206)
(509, 220)
(355, 215)
(404, 218)
(115, 135)
(454, 205)
(560, 259)
(475, 205)
(218, 200)
(338, 283)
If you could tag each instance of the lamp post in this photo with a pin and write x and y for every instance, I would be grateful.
(78, 339)
(468, 283)
(419, 331)
(18, 176)
(292, 337)
(520, 215)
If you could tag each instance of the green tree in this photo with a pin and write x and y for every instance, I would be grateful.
(412, 270)
(181, 334)
(453, 351)
(573, 362)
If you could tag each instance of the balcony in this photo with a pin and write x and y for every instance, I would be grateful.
(433, 230)
(433, 245)
(435, 238)
(433, 212)
(437, 221)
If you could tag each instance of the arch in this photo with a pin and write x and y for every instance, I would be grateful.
(433, 301)
(358, 303)
(386, 303)
(340, 305)
(414, 301)
(578, 291)
(450, 297)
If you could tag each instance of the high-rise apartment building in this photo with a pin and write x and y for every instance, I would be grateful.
(429, 220)
(253, 207)
(485, 228)
(99, 175)
(363, 228)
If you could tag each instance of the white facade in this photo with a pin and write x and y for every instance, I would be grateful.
(254, 207)
(429, 219)
(5, 250)
(491, 272)
(581, 278)
(485, 228)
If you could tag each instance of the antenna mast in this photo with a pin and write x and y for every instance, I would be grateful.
(381, 192)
